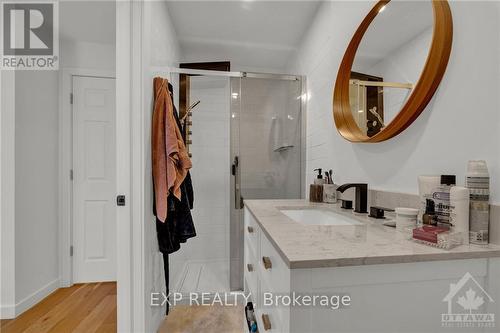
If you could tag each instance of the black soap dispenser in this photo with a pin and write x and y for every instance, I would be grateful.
(316, 189)
(319, 178)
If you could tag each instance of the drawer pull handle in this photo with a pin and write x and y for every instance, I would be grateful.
(250, 229)
(250, 267)
(267, 262)
(266, 322)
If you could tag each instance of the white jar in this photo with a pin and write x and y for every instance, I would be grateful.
(406, 219)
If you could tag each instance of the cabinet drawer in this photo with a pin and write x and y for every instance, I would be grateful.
(277, 312)
(274, 314)
(251, 272)
(277, 276)
(252, 232)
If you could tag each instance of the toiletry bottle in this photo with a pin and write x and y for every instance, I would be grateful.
(316, 189)
(441, 197)
(429, 216)
(459, 214)
(477, 180)
(426, 184)
(250, 315)
(319, 178)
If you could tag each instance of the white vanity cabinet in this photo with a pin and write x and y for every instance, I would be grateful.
(265, 272)
(395, 297)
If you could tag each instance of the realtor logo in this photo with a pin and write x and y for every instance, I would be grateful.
(29, 32)
(467, 304)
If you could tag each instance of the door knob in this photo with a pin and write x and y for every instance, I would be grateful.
(120, 200)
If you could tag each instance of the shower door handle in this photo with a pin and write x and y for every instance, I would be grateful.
(238, 200)
(234, 167)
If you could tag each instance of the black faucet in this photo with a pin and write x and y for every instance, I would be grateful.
(361, 196)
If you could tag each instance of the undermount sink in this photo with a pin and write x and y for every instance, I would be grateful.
(318, 216)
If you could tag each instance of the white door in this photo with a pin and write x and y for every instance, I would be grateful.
(94, 179)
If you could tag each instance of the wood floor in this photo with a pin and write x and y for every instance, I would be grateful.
(89, 307)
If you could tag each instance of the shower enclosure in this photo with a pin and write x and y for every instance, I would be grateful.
(246, 141)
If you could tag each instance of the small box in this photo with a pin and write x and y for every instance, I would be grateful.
(428, 233)
(437, 237)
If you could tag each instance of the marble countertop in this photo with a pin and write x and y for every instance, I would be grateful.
(370, 243)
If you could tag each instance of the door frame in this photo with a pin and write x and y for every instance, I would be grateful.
(66, 165)
(128, 78)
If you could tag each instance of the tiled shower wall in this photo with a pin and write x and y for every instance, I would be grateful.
(210, 172)
(270, 119)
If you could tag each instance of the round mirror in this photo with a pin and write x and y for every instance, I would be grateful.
(391, 68)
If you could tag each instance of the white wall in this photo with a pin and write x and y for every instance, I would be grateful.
(81, 54)
(161, 48)
(29, 189)
(7, 187)
(460, 123)
(36, 195)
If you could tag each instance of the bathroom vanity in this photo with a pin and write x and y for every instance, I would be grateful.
(394, 284)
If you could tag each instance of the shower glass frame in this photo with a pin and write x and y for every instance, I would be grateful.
(236, 228)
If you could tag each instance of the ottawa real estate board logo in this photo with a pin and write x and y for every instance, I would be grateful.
(30, 36)
(468, 305)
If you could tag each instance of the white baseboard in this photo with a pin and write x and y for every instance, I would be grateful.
(7, 311)
(12, 311)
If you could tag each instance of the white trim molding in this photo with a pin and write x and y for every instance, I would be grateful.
(36, 297)
(139, 297)
(125, 261)
(7, 311)
(12, 311)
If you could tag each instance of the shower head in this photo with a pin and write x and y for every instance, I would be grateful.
(195, 104)
(189, 109)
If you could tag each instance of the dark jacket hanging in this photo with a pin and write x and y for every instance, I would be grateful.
(178, 226)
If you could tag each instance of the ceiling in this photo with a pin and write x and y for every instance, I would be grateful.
(250, 34)
(87, 21)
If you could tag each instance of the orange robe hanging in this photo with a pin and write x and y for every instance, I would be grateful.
(170, 159)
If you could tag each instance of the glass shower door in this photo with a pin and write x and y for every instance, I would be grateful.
(266, 131)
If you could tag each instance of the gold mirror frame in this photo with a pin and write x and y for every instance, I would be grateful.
(432, 73)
